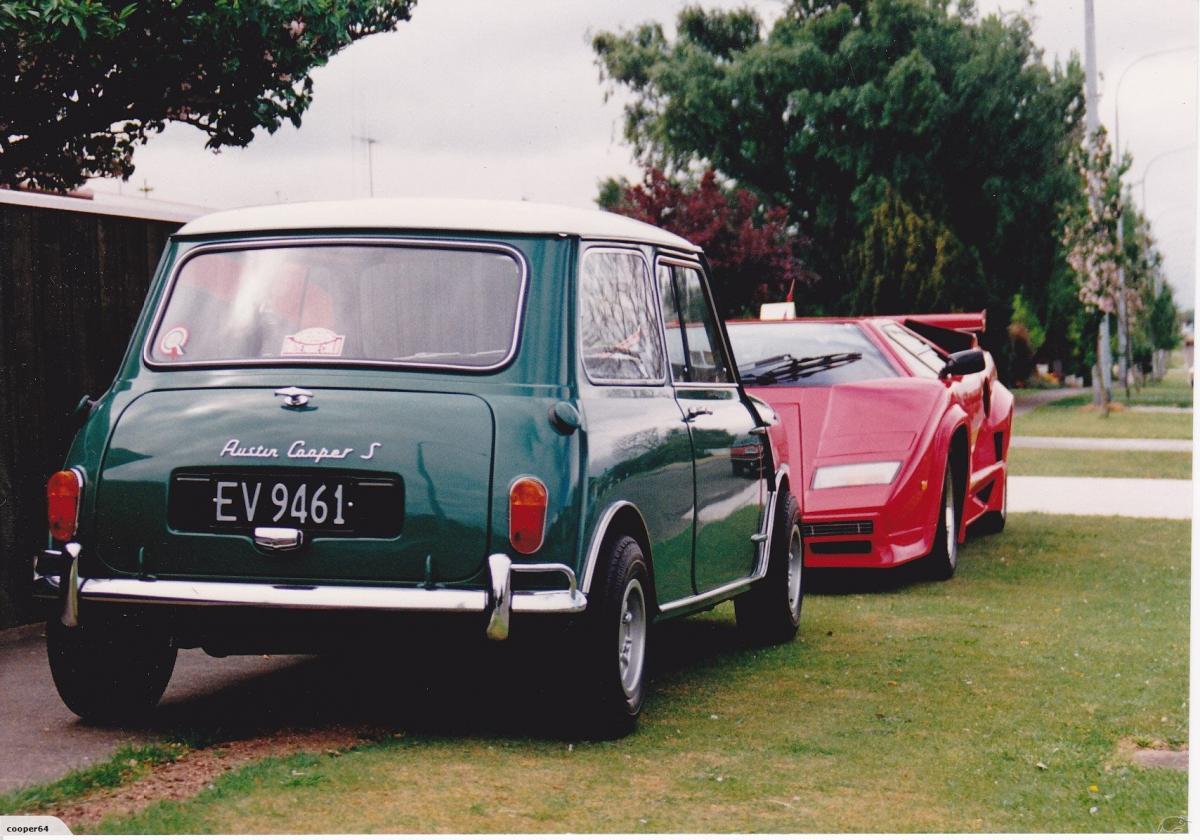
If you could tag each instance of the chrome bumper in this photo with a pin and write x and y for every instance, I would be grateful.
(499, 601)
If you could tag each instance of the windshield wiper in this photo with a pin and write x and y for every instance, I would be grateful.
(787, 366)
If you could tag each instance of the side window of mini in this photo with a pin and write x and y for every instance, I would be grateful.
(618, 326)
(693, 339)
(928, 362)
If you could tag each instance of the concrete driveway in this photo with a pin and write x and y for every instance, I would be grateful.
(40, 739)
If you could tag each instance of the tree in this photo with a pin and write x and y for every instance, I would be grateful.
(88, 81)
(1090, 233)
(909, 262)
(1026, 333)
(755, 253)
(1154, 319)
(844, 102)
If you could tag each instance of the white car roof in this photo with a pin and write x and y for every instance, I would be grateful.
(523, 217)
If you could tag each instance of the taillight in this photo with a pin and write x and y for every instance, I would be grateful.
(62, 503)
(527, 500)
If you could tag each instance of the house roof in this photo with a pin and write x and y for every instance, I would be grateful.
(431, 214)
(104, 204)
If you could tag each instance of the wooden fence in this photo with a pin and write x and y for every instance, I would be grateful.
(73, 275)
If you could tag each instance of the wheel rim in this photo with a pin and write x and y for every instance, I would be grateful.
(951, 536)
(1004, 499)
(631, 639)
(795, 571)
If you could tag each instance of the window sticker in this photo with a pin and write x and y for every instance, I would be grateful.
(313, 341)
(173, 341)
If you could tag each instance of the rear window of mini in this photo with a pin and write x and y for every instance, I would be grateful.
(408, 304)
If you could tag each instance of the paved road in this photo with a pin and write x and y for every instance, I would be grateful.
(1109, 444)
(1160, 498)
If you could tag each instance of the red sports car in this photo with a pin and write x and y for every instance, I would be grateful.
(895, 429)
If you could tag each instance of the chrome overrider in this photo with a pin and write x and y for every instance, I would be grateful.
(499, 600)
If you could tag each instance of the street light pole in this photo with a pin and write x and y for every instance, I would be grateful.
(1123, 342)
(1146, 172)
(1103, 351)
(370, 141)
(1159, 355)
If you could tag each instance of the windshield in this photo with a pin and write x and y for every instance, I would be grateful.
(805, 353)
(417, 305)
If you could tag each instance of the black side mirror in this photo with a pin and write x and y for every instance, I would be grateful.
(964, 362)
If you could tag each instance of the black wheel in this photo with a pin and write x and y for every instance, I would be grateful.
(941, 562)
(109, 671)
(993, 521)
(612, 660)
(770, 612)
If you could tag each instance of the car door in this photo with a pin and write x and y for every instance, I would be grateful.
(638, 449)
(731, 487)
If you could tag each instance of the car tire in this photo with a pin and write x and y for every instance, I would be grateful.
(109, 671)
(770, 612)
(613, 653)
(942, 560)
(993, 521)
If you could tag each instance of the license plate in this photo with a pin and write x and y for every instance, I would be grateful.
(324, 503)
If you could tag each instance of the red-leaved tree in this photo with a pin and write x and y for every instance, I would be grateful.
(754, 252)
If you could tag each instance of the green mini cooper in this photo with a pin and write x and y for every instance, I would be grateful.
(336, 418)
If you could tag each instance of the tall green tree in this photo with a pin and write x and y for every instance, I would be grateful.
(843, 103)
(87, 81)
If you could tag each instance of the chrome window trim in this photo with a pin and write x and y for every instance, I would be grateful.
(654, 313)
(706, 287)
(706, 386)
(371, 241)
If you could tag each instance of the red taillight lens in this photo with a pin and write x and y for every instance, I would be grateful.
(527, 514)
(62, 503)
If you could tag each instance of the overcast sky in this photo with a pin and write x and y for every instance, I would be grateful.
(477, 98)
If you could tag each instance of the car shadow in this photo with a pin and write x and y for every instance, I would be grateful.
(518, 689)
(856, 581)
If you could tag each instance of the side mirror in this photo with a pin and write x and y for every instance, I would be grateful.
(964, 362)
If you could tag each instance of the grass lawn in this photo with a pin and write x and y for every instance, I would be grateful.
(1076, 462)
(1173, 390)
(1073, 417)
(998, 701)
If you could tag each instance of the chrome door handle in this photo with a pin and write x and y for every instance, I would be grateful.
(693, 413)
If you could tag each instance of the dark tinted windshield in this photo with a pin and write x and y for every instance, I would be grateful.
(806, 353)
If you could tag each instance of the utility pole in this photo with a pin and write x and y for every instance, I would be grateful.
(1103, 351)
(370, 141)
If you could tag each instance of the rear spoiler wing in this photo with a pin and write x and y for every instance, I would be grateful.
(952, 331)
(975, 322)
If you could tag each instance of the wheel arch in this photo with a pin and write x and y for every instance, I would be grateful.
(958, 457)
(621, 517)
